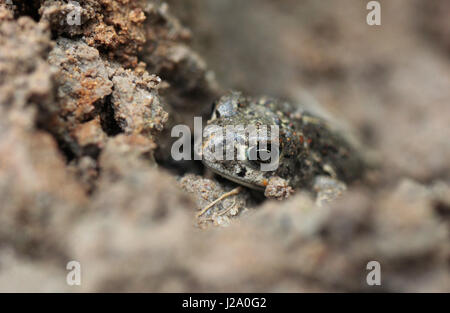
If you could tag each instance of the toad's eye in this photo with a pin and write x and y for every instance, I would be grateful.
(261, 153)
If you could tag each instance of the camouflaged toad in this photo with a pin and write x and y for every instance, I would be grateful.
(309, 148)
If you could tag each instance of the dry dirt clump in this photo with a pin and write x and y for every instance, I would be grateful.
(92, 86)
(25, 77)
(83, 79)
(136, 103)
(278, 188)
(142, 35)
(208, 192)
(114, 26)
(97, 99)
(134, 31)
(36, 188)
(85, 172)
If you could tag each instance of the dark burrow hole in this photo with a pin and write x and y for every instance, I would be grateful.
(107, 120)
(26, 8)
(443, 209)
(92, 151)
(182, 167)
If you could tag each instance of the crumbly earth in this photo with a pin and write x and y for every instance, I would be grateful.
(206, 191)
(85, 173)
(277, 188)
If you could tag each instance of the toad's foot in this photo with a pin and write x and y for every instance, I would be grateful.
(278, 188)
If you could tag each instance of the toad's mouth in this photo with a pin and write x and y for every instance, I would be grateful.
(237, 180)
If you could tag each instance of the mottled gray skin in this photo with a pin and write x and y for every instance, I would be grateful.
(308, 146)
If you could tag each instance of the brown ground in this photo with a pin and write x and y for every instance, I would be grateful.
(85, 119)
